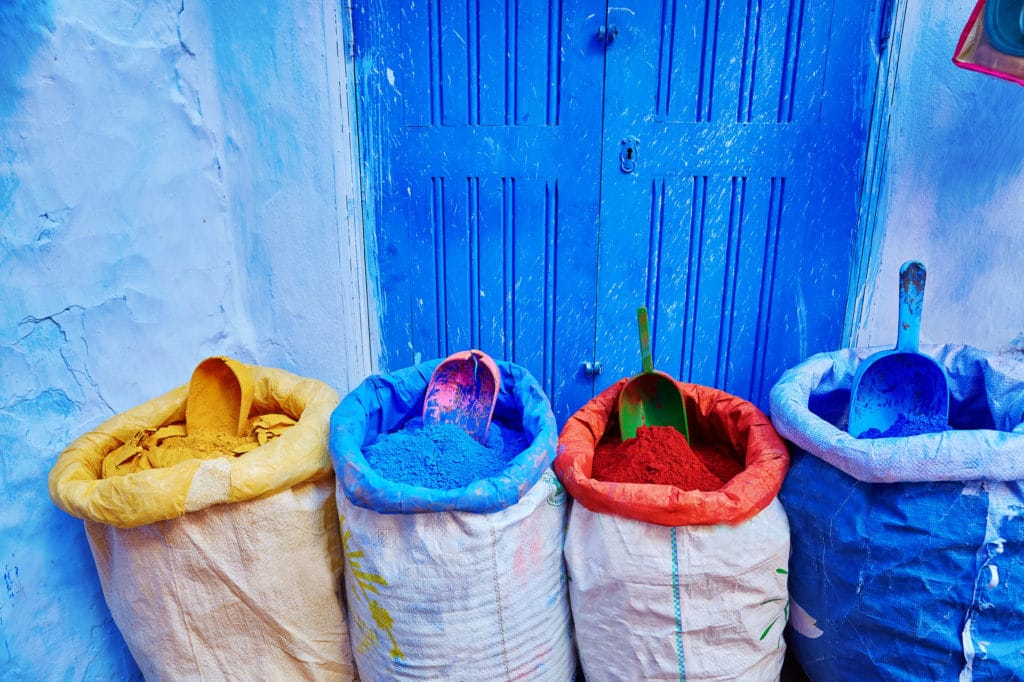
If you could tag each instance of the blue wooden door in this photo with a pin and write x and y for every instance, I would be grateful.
(480, 128)
(534, 170)
(733, 222)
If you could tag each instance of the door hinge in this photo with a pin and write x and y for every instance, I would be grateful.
(348, 30)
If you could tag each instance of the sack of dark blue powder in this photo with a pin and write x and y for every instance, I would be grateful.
(453, 548)
(906, 549)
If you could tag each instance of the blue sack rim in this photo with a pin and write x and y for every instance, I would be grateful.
(384, 402)
(986, 391)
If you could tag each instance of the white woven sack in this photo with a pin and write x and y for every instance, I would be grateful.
(651, 602)
(243, 591)
(459, 595)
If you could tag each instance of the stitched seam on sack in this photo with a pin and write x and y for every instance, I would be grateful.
(675, 604)
(497, 601)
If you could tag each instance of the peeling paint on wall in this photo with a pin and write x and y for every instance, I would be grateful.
(113, 282)
(159, 203)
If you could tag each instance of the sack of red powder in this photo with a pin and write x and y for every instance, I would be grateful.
(673, 583)
(447, 579)
(715, 417)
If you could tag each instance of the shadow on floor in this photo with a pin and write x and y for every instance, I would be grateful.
(791, 670)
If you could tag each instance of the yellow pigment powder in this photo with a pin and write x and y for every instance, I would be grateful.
(171, 444)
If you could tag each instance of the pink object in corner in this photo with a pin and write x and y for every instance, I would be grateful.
(975, 52)
(463, 390)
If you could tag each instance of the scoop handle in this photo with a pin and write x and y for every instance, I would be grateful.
(645, 340)
(912, 277)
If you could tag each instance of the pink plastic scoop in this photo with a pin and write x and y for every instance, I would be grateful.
(463, 390)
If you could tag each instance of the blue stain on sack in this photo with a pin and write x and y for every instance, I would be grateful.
(443, 456)
(887, 572)
(906, 553)
(910, 425)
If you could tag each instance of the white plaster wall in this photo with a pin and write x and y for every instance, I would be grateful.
(954, 192)
(175, 182)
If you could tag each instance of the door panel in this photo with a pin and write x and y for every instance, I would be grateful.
(735, 227)
(481, 129)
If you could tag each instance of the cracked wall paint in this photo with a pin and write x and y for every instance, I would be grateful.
(159, 203)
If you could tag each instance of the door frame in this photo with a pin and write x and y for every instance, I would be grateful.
(870, 232)
(359, 309)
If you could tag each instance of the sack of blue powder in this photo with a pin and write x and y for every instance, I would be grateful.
(443, 456)
(907, 549)
(453, 548)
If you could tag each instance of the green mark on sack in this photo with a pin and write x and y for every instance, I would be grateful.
(785, 612)
(556, 498)
(367, 584)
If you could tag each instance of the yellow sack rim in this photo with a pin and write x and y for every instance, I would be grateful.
(299, 454)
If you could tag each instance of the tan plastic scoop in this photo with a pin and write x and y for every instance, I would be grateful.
(219, 397)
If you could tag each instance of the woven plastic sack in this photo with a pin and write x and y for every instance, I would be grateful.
(464, 584)
(908, 553)
(226, 567)
(720, 417)
(673, 584)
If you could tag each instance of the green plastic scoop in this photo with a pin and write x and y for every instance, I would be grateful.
(651, 398)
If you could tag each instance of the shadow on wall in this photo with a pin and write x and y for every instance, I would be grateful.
(23, 28)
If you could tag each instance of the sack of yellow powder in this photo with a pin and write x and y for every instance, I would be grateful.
(217, 557)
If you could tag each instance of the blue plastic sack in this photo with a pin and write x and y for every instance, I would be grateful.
(383, 403)
(907, 555)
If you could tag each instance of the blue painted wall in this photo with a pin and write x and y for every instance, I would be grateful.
(24, 27)
(169, 190)
(952, 194)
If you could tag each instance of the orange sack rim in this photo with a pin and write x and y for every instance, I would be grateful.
(715, 417)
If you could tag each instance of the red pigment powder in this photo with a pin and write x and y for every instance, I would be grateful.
(660, 455)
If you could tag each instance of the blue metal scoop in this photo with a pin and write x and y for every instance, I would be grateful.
(900, 384)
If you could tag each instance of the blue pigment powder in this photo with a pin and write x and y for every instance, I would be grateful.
(443, 456)
(910, 425)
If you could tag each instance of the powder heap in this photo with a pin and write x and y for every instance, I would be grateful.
(661, 455)
(909, 425)
(443, 456)
(166, 446)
